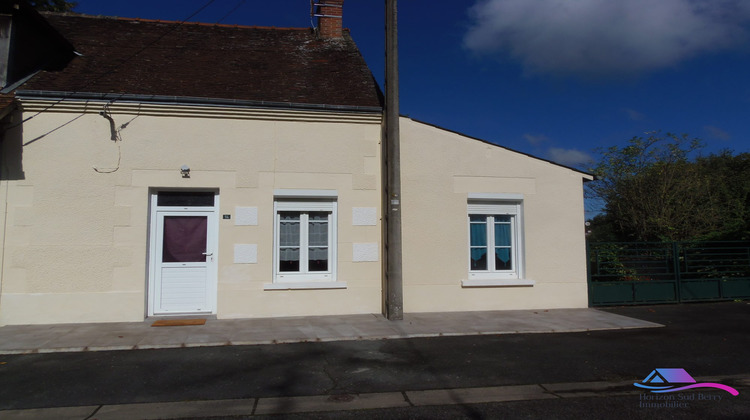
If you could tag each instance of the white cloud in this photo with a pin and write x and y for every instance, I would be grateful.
(605, 37)
(569, 157)
(634, 115)
(717, 132)
(535, 139)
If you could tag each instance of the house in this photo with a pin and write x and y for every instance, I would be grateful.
(168, 168)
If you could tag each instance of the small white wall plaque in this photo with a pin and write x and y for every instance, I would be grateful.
(246, 216)
(364, 252)
(245, 253)
(364, 216)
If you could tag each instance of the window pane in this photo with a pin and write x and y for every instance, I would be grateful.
(478, 258)
(478, 231)
(289, 241)
(478, 242)
(502, 231)
(289, 215)
(319, 216)
(503, 260)
(289, 259)
(318, 229)
(318, 259)
(503, 242)
(184, 238)
(185, 198)
(289, 229)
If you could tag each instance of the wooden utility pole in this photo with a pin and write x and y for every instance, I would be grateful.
(394, 306)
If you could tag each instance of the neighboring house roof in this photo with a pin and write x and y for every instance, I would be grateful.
(7, 103)
(586, 175)
(28, 44)
(270, 66)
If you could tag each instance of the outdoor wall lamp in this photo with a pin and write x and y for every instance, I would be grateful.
(185, 171)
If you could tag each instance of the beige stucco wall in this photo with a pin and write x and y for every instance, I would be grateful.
(76, 241)
(439, 171)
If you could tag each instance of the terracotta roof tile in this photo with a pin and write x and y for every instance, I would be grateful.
(143, 57)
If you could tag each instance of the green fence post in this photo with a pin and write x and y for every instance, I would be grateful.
(677, 276)
(588, 273)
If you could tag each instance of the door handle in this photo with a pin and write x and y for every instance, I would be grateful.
(208, 254)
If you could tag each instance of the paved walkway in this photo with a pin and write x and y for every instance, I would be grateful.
(342, 402)
(26, 339)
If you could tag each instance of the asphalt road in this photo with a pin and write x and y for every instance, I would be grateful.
(705, 339)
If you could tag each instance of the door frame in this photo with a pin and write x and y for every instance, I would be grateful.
(212, 244)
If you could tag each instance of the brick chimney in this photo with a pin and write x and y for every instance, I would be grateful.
(330, 18)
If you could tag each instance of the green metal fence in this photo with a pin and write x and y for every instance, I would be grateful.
(634, 273)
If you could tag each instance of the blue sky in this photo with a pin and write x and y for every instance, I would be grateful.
(554, 78)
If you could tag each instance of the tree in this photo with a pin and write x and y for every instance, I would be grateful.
(729, 179)
(657, 189)
(53, 5)
(601, 228)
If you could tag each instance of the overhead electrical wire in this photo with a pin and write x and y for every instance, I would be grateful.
(239, 4)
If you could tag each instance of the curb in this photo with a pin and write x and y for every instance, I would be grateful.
(338, 402)
(227, 343)
(34, 339)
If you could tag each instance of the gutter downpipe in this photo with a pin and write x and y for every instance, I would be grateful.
(393, 305)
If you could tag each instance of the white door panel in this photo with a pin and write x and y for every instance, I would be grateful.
(184, 289)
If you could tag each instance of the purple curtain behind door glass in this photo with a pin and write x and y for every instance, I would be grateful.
(184, 238)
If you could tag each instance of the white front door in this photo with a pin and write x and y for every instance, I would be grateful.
(183, 261)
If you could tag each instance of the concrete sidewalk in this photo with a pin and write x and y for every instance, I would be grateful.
(344, 402)
(25, 339)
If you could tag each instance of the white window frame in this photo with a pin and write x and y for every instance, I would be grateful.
(490, 205)
(306, 201)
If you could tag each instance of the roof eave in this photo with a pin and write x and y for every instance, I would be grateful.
(187, 100)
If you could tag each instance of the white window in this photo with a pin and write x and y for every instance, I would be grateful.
(304, 240)
(495, 243)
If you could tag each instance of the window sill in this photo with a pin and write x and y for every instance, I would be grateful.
(497, 283)
(305, 285)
